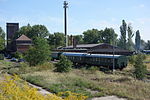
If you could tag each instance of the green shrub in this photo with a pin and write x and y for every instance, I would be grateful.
(131, 59)
(140, 68)
(64, 65)
(93, 69)
(14, 71)
(39, 53)
(1, 57)
(18, 55)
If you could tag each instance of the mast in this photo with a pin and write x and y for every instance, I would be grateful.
(65, 22)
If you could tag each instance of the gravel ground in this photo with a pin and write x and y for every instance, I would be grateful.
(108, 98)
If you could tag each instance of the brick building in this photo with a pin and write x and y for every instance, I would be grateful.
(23, 43)
(11, 29)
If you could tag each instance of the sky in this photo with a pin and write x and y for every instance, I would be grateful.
(82, 14)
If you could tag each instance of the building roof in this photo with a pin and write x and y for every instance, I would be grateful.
(87, 46)
(102, 48)
(23, 38)
(24, 44)
(91, 55)
(84, 45)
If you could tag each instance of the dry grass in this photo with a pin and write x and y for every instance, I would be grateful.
(120, 83)
(148, 60)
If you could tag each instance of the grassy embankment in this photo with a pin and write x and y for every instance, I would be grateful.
(89, 82)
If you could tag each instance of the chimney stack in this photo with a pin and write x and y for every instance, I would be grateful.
(74, 43)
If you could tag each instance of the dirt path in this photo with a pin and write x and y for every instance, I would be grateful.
(40, 89)
(44, 92)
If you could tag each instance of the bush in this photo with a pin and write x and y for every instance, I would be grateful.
(140, 68)
(18, 55)
(1, 57)
(64, 65)
(39, 53)
(131, 59)
(93, 69)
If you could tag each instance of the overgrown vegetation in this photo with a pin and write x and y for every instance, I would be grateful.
(13, 88)
(24, 68)
(64, 65)
(18, 55)
(39, 53)
(90, 82)
(140, 68)
(2, 39)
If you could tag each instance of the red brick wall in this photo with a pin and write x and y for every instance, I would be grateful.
(22, 48)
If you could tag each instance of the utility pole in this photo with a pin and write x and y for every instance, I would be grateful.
(113, 53)
(65, 22)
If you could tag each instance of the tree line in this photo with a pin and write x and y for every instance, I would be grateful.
(91, 36)
(44, 41)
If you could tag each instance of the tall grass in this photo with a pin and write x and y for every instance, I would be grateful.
(91, 82)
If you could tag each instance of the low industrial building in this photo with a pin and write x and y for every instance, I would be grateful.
(102, 48)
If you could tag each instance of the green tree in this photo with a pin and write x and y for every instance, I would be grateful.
(51, 41)
(39, 53)
(26, 30)
(147, 46)
(2, 33)
(59, 39)
(109, 35)
(39, 31)
(2, 39)
(32, 31)
(2, 43)
(122, 40)
(56, 40)
(91, 36)
(137, 40)
(64, 65)
(130, 44)
(143, 44)
(140, 68)
(78, 38)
